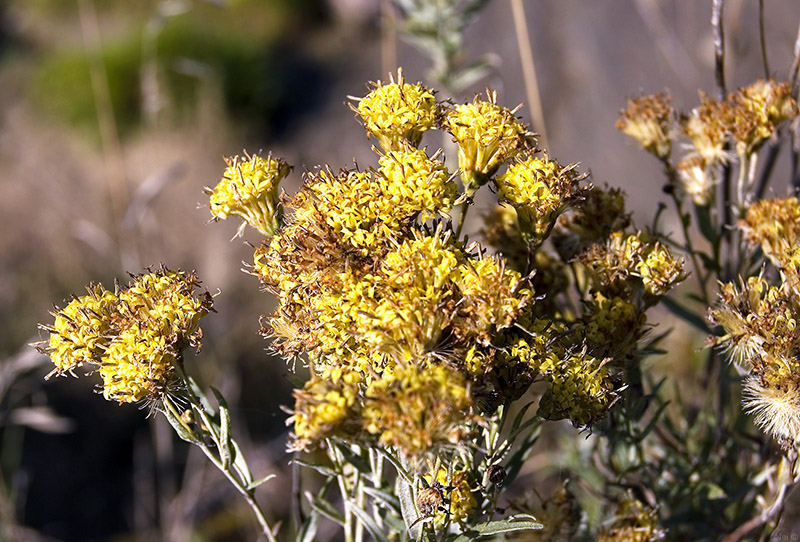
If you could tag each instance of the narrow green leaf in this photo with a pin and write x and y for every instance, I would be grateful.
(401, 471)
(325, 508)
(226, 451)
(198, 392)
(390, 500)
(497, 527)
(369, 523)
(308, 531)
(358, 461)
(685, 314)
(320, 468)
(254, 484)
(240, 464)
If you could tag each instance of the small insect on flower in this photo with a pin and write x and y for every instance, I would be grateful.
(430, 501)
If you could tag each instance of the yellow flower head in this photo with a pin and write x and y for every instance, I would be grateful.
(775, 225)
(323, 409)
(757, 110)
(707, 128)
(397, 113)
(417, 408)
(81, 330)
(647, 120)
(459, 499)
(579, 388)
(540, 189)
(612, 327)
(488, 135)
(249, 189)
(370, 209)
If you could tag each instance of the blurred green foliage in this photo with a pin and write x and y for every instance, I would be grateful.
(234, 48)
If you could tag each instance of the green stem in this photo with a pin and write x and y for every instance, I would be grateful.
(673, 183)
(241, 485)
(463, 215)
(247, 493)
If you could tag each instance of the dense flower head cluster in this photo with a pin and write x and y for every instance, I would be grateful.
(460, 502)
(249, 189)
(413, 336)
(759, 320)
(133, 337)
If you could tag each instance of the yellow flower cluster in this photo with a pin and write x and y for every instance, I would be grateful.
(540, 189)
(488, 135)
(411, 336)
(134, 337)
(457, 490)
(249, 189)
(632, 262)
(398, 113)
(368, 209)
(759, 321)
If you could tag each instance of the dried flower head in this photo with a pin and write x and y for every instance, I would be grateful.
(706, 126)
(249, 189)
(757, 110)
(697, 180)
(488, 135)
(776, 408)
(648, 119)
(397, 113)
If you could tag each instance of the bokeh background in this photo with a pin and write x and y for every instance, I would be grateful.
(115, 114)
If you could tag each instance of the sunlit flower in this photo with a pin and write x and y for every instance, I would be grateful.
(776, 408)
(488, 135)
(540, 189)
(249, 189)
(397, 113)
(633, 522)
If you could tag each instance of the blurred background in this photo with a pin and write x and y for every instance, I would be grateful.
(115, 114)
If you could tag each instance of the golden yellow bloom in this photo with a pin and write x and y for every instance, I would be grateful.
(579, 388)
(613, 268)
(775, 225)
(323, 409)
(647, 119)
(540, 189)
(138, 364)
(417, 408)
(249, 189)
(488, 135)
(612, 327)
(397, 113)
(134, 337)
(369, 209)
(458, 491)
(81, 330)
